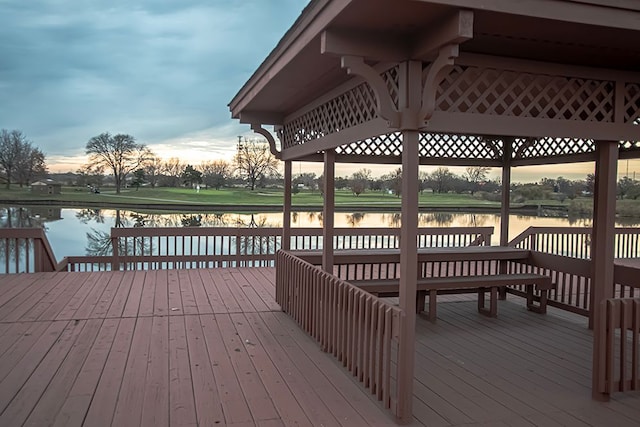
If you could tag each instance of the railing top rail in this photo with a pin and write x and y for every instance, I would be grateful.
(22, 233)
(269, 231)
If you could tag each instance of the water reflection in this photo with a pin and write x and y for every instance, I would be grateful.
(87, 231)
(355, 219)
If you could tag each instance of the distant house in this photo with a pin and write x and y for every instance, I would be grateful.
(47, 186)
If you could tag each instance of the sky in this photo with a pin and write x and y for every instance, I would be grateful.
(160, 70)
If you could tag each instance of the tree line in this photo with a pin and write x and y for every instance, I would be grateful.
(134, 164)
(129, 163)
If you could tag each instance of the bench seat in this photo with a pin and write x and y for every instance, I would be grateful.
(461, 284)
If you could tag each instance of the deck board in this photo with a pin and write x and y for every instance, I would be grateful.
(211, 347)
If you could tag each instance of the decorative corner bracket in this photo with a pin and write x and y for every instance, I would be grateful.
(384, 103)
(433, 75)
(257, 128)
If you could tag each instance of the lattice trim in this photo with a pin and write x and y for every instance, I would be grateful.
(450, 146)
(432, 145)
(632, 103)
(532, 148)
(352, 108)
(506, 93)
(629, 146)
(384, 145)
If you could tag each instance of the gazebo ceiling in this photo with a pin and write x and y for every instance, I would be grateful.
(601, 34)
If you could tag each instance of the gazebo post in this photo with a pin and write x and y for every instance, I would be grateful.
(328, 210)
(505, 204)
(409, 102)
(602, 248)
(408, 268)
(286, 208)
(506, 192)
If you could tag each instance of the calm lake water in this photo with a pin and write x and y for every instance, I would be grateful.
(71, 231)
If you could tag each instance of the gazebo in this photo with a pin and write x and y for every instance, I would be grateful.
(454, 82)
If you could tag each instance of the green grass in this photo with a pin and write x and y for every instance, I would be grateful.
(238, 197)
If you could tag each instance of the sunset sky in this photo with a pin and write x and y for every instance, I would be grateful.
(160, 70)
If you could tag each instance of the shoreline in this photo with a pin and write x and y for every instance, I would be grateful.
(196, 207)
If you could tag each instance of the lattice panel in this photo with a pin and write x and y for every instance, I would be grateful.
(352, 108)
(507, 93)
(432, 145)
(384, 145)
(629, 146)
(450, 146)
(532, 148)
(632, 103)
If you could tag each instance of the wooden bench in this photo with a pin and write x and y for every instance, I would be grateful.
(460, 284)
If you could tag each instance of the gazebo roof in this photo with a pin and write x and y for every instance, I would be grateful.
(602, 34)
(543, 52)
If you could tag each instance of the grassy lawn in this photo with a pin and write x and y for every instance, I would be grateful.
(238, 197)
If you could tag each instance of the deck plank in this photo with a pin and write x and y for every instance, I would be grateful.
(161, 297)
(101, 308)
(307, 382)
(103, 402)
(30, 391)
(189, 305)
(119, 300)
(155, 404)
(84, 387)
(208, 403)
(134, 297)
(53, 397)
(234, 405)
(212, 289)
(128, 409)
(18, 344)
(252, 330)
(253, 389)
(181, 399)
(83, 291)
(229, 356)
(11, 385)
(218, 281)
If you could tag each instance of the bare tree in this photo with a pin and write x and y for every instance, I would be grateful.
(476, 176)
(19, 160)
(216, 173)
(172, 170)
(31, 165)
(394, 181)
(359, 181)
(120, 153)
(441, 178)
(152, 167)
(253, 160)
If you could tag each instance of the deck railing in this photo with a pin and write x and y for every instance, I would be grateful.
(576, 241)
(618, 367)
(563, 254)
(211, 247)
(25, 250)
(360, 330)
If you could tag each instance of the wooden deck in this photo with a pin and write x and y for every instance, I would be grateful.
(210, 347)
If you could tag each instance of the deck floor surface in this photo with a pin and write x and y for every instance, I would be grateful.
(211, 347)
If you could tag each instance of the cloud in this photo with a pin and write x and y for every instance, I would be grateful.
(162, 71)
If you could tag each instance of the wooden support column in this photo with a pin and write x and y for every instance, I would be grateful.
(286, 208)
(602, 249)
(409, 102)
(328, 210)
(408, 266)
(505, 207)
